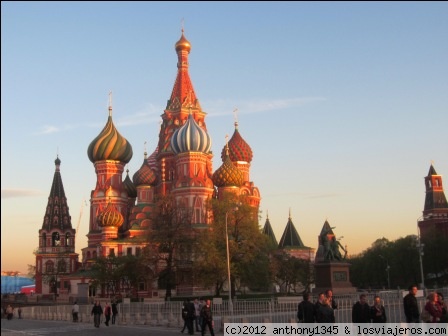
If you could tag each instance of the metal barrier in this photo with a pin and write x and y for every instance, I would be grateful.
(274, 310)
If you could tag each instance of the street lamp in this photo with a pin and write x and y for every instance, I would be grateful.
(387, 270)
(228, 265)
(420, 247)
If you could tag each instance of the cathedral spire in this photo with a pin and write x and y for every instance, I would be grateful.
(57, 214)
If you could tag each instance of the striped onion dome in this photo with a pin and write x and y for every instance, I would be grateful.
(110, 216)
(152, 159)
(110, 145)
(145, 175)
(190, 138)
(130, 188)
(228, 175)
(239, 150)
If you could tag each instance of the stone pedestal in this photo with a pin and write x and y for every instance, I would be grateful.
(334, 276)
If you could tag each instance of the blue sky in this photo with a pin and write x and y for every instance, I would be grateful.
(345, 104)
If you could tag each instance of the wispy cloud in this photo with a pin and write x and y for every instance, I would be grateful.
(150, 114)
(225, 107)
(14, 193)
(50, 129)
(304, 195)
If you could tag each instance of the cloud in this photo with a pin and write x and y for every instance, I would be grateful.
(304, 195)
(14, 193)
(49, 129)
(226, 107)
(150, 114)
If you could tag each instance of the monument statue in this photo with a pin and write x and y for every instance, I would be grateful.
(330, 267)
(331, 245)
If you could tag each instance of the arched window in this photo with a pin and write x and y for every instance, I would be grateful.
(67, 239)
(44, 239)
(49, 267)
(55, 239)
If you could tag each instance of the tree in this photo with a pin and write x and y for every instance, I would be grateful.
(171, 238)
(289, 271)
(248, 247)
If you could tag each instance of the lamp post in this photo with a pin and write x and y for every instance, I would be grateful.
(420, 247)
(228, 270)
(387, 270)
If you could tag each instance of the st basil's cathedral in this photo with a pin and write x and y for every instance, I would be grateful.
(180, 166)
(120, 209)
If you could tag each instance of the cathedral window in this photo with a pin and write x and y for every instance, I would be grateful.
(129, 251)
(198, 215)
(56, 240)
(137, 251)
(49, 267)
(111, 252)
(67, 239)
(44, 240)
(62, 266)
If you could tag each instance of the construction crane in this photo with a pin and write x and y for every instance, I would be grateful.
(83, 204)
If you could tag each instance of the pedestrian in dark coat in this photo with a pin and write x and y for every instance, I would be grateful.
(377, 311)
(114, 311)
(97, 311)
(305, 310)
(411, 306)
(361, 310)
(207, 318)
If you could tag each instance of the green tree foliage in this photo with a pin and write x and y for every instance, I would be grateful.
(171, 240)
(369, 268)
(290, 273)
(248, 247)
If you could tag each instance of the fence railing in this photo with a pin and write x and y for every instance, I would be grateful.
(275, 310)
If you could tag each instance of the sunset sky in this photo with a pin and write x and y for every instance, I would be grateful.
(344, 104)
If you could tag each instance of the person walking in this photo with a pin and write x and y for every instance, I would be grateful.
(184, 313)
(207, 318)
(9, 312)
(377, 311)
(114, 311)
(75, 311)
(97, 311)
(197, 313)
(361, 310)
(19, 311)
(107, 313)
(411, 306)
(305, 310)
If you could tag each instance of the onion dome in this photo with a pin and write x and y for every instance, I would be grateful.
(239, 150)
(57, 162)
(228, 175)
(110, 144)
(110, 217)
(145, 175)
(191, 138)
(183, 44)
(129, 187)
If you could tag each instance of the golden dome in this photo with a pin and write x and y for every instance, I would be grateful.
(183, 44)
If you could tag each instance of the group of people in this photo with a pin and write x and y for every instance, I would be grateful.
(363, 313)
(9, 312)
(321, 312)
(197, 313)
(434, 311)
(109, 311)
